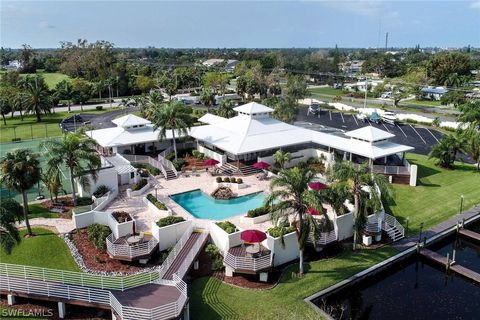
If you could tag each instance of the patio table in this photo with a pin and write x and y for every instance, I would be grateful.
(252, 249)
(134, 239)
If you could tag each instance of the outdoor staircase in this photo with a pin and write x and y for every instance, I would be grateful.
(248, 170)
(228, 169)
(392, 228)
(170, 174)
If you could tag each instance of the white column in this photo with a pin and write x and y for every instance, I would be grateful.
(228, 271)
(11, 299)
(61, 310)
(264, 276)
(186, 312)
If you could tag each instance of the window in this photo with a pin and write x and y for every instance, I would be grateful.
(132, 175)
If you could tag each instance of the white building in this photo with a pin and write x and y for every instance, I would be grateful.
(230, 64)
(361, 85)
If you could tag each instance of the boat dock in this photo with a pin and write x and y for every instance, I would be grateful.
(470, 235)
(444, 261)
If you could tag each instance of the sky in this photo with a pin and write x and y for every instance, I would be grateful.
(242, 24)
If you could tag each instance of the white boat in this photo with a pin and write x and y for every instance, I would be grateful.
(389, 117)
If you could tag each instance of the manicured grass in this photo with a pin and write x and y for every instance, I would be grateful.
(427, 103)
(45, 250)
(37, 211)
(51, 78)
(14, 314)
(213, 299)
(437, 195)
(29, 128)
(327, 90)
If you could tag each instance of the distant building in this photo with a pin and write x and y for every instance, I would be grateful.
(361, 86)
(354, 66)
(433, 93)
(14, 65)
(229, 64)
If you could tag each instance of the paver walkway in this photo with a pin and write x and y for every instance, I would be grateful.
(406, 243)
(62, 225)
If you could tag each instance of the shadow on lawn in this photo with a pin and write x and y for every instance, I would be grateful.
(211, 305)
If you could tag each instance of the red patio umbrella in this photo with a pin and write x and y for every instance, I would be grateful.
(210, 162)
(315, 212)
(253, 236)
(261, 165)
(317, 186)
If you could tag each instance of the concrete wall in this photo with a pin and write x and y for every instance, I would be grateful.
(283, 254)
(105, 218)
(153, 209)
(344, 226)
(168, 236)
(106, 176)
(223, 240)
(212, 154)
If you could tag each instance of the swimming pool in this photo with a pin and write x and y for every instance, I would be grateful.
(201, 205)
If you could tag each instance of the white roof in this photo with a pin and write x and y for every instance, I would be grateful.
(130, 120)
(369, 133)
(118, 136)
(209, 118)
(253, 108)
(244, 134)
(120, 164)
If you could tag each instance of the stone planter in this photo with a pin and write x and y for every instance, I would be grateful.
(378, 237)
(233, 186)
(255, 220)
(367, 240)
(153, 209)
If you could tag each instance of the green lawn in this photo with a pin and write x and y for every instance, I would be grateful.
(437, 195)
(29, 128)
(213, 299)
(46, 250)
(51, 78)
(37, 211)
(327, 90)
(427, 103)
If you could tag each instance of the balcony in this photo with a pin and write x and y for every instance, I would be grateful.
(131, 248)
(241, 261)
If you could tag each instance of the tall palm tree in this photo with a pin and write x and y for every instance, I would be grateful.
(18, 104)
(150, 103)
(37, 97)
(173, 116)
(443, 153)
(20, 171)
(10, 213)
(78, 153)
(359, 178)
(226, 109)
(335, 195)
(292, 198)
(207, 98)
(281, 158)
(64, 91)
(472, 145)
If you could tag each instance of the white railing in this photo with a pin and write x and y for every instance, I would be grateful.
(175, 251)
(188, 260)
(400, 170)
(131, 251)
(79, 278)
(374, 223)
(180, 146)
(327, 237)
(391, 223)
(167, 164)
(145, 159)
(247, 263)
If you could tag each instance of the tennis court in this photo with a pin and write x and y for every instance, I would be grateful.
(39, 189)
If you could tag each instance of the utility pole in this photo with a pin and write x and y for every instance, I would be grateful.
(386, 42)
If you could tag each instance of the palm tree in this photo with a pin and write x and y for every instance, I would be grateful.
(207, 98)
(150, 103)
(472, 145)
(285, 111)
(291, 197)
(174, 116)
(443, 153)
(359, 178)
(281, 158)
(52, 180)
(226, 109)
(10, 213)
(78, 153)
(335, 195)
(36, 97)
(20, 171)
(17, 104)
(64, 91)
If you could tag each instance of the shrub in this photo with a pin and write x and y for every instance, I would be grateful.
(155, 202)
(170, 156)
(258, 212)
(99, 108)
(169, 221)
(97, 234)
(239, 180)
(226, 179)
(218, 179)
(101, 191)
(121, 216)
(214, 254)
(139, 185)
(84, 201)
(227, 226)
(178, 164)
(280, 231)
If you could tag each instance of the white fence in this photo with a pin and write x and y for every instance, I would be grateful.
(131, 251)
(168, 236)
(325, 238)
(146, 159)
(175, 251)
(188, 260)
(247, 263)
(167, 164)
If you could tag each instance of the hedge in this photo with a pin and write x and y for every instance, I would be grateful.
(169, 221)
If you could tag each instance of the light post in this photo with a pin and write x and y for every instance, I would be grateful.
(461, 204)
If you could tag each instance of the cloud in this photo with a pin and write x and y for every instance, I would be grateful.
(46, 25)
(475, 5)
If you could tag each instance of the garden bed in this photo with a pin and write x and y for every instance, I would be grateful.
(121, 216)
(98, 259)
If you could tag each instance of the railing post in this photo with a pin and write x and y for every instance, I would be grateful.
(43, 274)
(24, 272)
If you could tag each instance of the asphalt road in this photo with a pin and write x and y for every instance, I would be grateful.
(422, 139)
(98, 121)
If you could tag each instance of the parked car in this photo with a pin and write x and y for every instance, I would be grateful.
(362, 117)
(314, 109)
(389, 117)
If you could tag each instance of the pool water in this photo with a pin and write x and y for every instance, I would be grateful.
(202, 206)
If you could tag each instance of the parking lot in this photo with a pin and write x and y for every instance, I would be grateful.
(422, 139)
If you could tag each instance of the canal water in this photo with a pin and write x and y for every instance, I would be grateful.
(413, 289)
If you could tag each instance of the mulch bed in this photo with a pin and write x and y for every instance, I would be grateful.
(65, 203)
(192, 162)
(98, 259)
(49, 310)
